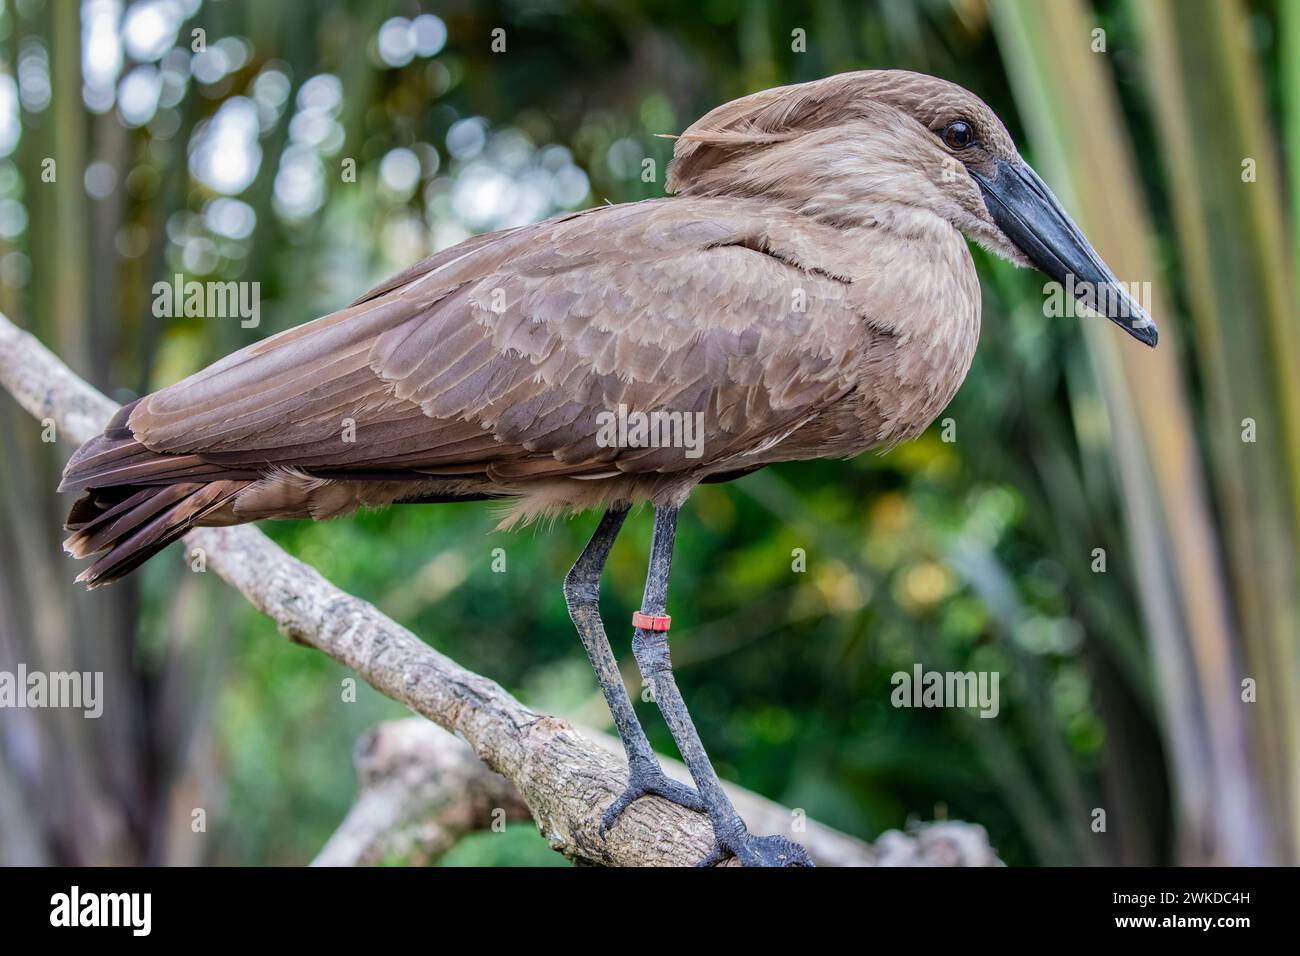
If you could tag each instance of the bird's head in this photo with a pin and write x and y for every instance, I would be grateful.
(898, 147)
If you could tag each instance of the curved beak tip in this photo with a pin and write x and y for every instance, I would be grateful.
(1134, 320)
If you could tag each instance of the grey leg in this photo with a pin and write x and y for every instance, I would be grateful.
(582, 594)
(651, 650)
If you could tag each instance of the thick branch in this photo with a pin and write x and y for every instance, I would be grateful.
(563, 778)
(421, 789)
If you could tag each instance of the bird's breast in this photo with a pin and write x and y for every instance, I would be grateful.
(920, 302)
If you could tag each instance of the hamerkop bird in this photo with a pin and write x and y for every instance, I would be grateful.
(807, 293)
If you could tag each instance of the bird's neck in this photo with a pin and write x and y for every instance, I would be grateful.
(926, 292)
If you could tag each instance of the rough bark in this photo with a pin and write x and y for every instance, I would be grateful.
(421, 789)
(562, 777)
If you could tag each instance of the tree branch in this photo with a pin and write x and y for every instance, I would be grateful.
(564, 780)
(421, 789)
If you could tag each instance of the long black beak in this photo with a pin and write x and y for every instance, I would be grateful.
(1025, 209)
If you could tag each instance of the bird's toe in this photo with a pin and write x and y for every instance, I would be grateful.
(753, 850)
(645, 783)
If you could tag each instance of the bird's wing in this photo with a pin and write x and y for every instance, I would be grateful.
(502, 355)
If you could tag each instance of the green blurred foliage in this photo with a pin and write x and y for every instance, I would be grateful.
(971, 554)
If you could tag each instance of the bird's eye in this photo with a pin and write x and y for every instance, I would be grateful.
(958, 134)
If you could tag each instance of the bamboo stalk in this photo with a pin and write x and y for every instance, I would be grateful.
(1235, 267)
(1072, 115)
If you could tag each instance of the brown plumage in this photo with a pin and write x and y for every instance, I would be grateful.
(808, 290)
(807, 294)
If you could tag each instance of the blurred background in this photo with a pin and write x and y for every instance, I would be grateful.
(1113, 530)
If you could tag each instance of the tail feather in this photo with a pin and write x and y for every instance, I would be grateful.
(93, 508)
(132, 530)
(130, 515)
(136, 501)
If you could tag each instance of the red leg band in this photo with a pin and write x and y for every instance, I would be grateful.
(651, 622)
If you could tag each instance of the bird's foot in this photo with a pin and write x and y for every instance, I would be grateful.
(647, 779)
(753, 850)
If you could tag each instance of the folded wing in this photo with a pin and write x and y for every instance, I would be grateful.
(499, 356)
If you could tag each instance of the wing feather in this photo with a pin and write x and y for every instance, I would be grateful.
(501, 355)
